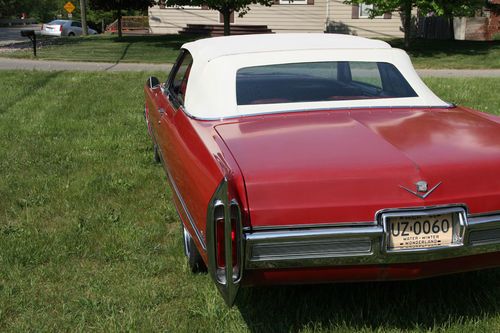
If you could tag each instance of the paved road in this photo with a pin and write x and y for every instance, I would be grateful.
(12, 35)
(8, 63)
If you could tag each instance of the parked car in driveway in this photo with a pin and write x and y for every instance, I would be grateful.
(312, 158)
(64, 28)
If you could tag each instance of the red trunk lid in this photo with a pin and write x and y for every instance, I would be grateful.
(343, 166)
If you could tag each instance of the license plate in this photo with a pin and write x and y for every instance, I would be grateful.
(419, 232)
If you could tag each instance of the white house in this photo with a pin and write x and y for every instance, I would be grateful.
(285, 16)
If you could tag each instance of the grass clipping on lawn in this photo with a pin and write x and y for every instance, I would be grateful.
(90, 240)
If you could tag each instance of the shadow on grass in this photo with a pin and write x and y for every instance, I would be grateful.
(430, 48)
(422, 304)
(53, 41)
(154, 41)
(34, 84)
(165, 41)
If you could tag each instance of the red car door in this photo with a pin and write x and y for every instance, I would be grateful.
(175, 134)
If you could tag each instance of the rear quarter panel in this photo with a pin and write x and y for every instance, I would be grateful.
(196, 160)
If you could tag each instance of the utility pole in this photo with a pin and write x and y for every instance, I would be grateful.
(83, 10)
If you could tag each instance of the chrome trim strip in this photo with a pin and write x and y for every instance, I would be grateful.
(449, 106)
(286, 238)
(293, 235)
(183, 204)
(495, 212)
(483, 220)
(311, 226)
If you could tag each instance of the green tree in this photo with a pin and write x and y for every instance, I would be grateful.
(10, 8)
(225, 7)
(448, 8)
(41, 9)
(118, 6)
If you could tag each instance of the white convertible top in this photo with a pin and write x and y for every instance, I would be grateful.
(211, 88)
(211, 48)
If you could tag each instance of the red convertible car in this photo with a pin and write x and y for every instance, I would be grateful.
(312, 158)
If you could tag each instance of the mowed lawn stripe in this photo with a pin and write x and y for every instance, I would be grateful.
(90, 240)
(163, 49)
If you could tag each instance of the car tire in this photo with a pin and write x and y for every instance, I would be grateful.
(194, 259)
(71, 34)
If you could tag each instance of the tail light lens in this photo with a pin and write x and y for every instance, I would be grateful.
(220, 243)
(60, 28)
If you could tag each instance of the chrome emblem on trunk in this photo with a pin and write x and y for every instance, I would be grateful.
(422, 187)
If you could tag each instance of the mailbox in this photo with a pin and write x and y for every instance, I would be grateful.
(32, 36)
(27, 33)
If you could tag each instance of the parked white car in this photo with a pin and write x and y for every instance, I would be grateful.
(64, 28)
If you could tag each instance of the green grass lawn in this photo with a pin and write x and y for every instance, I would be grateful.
(453, 54)
(107, 48)
(90, 240)
(164, 49)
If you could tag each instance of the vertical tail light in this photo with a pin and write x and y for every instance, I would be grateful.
(219, 243)
(60, 28)
(225, 242)
(220, 239)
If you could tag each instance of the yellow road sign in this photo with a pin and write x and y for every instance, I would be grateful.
(69, 7)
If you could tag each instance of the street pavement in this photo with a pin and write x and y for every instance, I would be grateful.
(11, 35)
(44, 65)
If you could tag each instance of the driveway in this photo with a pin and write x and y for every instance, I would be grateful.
(12, 35)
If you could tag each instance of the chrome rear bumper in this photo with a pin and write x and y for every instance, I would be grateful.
(359, 245)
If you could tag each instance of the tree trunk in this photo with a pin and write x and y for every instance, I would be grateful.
(452, 29)
(120, 34)
(407, 7)
(83, 11)
(226, 14)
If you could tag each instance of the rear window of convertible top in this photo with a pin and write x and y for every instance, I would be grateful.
(320, 81)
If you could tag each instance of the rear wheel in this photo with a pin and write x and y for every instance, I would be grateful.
(195, 261)
(71, 34)
(156, 153)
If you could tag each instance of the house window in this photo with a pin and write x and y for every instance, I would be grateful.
(293, 2)
(364, 9)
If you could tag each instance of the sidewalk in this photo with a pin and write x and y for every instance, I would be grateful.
(44, 65)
